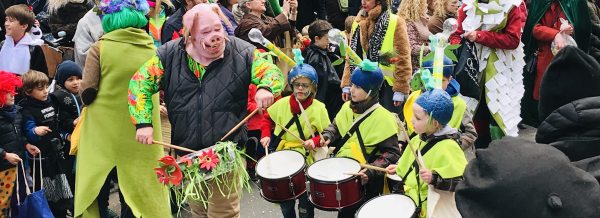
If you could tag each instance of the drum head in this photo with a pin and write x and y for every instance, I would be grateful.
(333, 169)
(280, 164)
(392, 205)
(394, 177)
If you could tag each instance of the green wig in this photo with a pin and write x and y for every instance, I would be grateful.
(123, 19)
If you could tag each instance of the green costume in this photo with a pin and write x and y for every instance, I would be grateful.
(379, 126)
(108, 136)
(445, 158)
(281, 113)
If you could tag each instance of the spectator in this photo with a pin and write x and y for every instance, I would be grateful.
(444, 9)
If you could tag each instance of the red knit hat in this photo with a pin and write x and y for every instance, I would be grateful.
(9, 82)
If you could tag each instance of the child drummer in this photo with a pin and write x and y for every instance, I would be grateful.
(443, 159)
(304, 117)
(373, 137)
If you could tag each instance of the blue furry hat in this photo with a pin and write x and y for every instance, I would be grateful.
(368, 76)
(438, 104)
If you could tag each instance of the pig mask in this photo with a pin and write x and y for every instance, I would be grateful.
(206, 39)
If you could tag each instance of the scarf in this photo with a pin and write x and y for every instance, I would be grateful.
(375, 39)
(294, 104)
(361, 107)
(9, 112)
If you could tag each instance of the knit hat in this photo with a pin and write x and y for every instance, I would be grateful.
(514, 177)
(65, 70)
(564, 83)
(367, 76)
(448, 68)
(438, 104)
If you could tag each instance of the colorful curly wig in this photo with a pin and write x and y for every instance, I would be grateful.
(9, 83)
(121, 14)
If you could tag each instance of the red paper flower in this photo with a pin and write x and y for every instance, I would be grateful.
(208, 159)
(187, 160)
(168, 172)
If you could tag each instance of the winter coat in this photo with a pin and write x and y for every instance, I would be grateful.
(12, 139)
(574, 130)
(271, 28)
(69, 106)
(64, 16)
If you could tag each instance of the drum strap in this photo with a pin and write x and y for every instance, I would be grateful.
(294, 120)
(353, 129)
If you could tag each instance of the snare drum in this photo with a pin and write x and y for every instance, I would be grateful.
(392, 205)
(331, 187)
(281, 176)
(395, 184)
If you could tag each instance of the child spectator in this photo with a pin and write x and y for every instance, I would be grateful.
(443, 159)
(20, 52)
(316, 55)
(41, 123)
(68, 79)
(11, 139)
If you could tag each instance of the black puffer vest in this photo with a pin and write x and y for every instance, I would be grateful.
(203, 111)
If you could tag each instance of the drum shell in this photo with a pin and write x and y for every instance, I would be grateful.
(322, 194)
(283, 189)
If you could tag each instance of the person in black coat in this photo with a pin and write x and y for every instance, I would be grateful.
(11, 138)
(317, 56)
(64, 15)
(569, 101)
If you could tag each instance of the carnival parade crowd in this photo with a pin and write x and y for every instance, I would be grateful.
(370, 108)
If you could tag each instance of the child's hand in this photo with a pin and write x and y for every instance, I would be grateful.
(309, 144)
(163, 110)
(75, 121)
(41, 130)
(426, 175)
(391, 169)
(265, 141)
(12, 158)
(325, 142)
(363, 176)
(32, 149)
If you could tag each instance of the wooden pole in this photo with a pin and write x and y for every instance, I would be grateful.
(167, 145)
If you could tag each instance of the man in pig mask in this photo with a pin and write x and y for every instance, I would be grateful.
(205, 78)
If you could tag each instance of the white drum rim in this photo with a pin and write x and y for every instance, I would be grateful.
(313, 179)
(375, 198)
(303, 166)
(393, 177)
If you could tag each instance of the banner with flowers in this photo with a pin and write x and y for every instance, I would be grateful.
(190, 175)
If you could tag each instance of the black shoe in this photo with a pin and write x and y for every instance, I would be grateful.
(521, 126)
(252, 174)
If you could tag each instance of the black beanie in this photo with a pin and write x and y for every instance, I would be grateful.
(571, 75)
(65, 70)
(518, 178)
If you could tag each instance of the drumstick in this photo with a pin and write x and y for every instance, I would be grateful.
(288, 131)
(371, 167)
(239, 124)
(414, 151)
(167, 145)
(352, 174)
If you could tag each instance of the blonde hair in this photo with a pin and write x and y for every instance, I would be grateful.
(34, 79)
(439, 8)
(412, 10)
